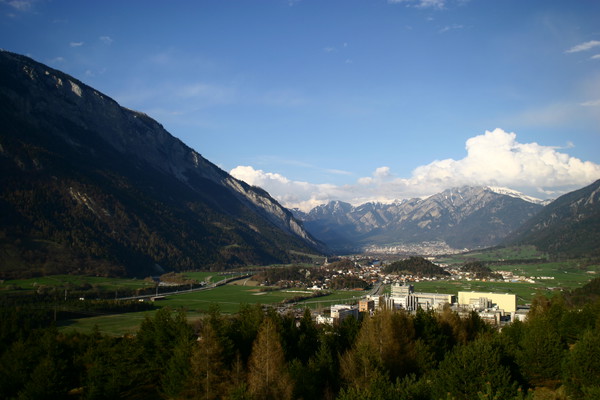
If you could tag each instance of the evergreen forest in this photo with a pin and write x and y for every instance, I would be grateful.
(259, 353)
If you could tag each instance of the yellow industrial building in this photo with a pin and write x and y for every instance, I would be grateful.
(506, 302)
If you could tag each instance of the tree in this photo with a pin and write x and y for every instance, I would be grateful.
(470, 368)
(244, 328)
(208, 374)
(581, 369)
(165, 340)
(541, 352)
(384, 347)
(267, 373)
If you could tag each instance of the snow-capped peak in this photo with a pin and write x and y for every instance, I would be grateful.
(515, 194)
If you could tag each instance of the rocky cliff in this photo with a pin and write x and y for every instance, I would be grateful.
(61, 136)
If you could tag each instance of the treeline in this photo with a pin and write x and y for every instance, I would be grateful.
(479, 270)
(276, 274)
(415, 266)
(258, 354)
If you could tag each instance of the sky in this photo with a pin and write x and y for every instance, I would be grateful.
(352, 100)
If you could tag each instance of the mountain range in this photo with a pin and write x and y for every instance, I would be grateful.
(467, 217)
(88, 186)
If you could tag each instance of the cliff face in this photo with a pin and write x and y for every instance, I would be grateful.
(55, 129)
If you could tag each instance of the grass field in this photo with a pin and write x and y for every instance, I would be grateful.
(229, 298)
(495, 254)
(525, 292)
(75, 281)
(202, 276)
(567, 275)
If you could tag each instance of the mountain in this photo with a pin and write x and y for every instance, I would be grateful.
(465, 217)
(89, 186)
(569, 226)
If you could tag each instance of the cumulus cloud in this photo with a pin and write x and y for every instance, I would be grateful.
(493, 158)
(497, 158)
(584, 46)
(292, 194)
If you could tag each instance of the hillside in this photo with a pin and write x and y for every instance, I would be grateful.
(569, 226)
(416, 266)
(88, 186)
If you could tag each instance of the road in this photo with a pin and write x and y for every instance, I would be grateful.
(193, 289)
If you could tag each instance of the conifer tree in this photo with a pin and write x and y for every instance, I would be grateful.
(541, 353)
(267, 371)
(384, 347)
(469, 369)
(582, 366)
(208, 374)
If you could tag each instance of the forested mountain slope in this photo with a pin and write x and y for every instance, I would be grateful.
(569, 226)
(91, 187)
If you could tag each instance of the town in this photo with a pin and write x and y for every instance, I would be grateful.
(396, 290)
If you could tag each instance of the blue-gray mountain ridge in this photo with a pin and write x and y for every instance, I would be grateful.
(467, 217)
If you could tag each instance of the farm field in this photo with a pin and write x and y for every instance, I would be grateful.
(209, 276)
(75, 282)
(229, 298)
(496, 254)
(525, 292)
(566, 275)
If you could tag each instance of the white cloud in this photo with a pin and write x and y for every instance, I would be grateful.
(57, 60)
(591, 103)
(106, 39)
(595, 57)
(292, 194)
(76, 44)
(451, 28)
(421, 3)
(493, 158)
(497, 158)
(21, 5)
(583, 46)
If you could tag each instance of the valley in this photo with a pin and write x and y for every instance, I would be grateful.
(133, 267)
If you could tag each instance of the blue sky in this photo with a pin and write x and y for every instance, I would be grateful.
(369, 100)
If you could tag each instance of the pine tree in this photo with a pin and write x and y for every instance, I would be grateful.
(267, 372)
(582, 367)
(471, 368)
(541, 353)
(208, 374)
(384, 347)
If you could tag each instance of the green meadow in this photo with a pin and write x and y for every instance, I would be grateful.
(496, 254)
(567, 275)
(75, 282)
(229, 298)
